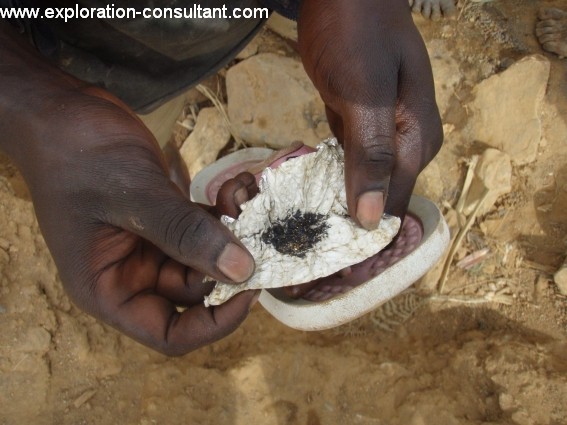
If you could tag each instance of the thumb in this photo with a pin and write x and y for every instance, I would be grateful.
(369, 137)
(186, 232)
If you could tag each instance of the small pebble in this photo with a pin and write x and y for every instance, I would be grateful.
(560, 279)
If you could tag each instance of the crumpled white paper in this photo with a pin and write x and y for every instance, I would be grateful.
(312, 183)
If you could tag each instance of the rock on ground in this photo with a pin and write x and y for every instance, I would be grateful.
(272, 102)
(282, 26)
(506, 109)
(203, 145)
(250, 50)
(430, 183)
(560, 278)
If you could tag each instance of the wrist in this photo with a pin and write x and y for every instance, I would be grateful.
(30, 90)
(357, 13)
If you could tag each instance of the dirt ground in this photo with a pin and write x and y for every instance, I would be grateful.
(491, 349)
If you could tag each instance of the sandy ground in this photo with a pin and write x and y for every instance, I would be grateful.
(420, 359)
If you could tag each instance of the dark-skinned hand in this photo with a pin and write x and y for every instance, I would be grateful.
(129, 245)
(369, 63)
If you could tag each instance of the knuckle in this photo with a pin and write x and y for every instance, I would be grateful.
(187, 229)
(379, 153)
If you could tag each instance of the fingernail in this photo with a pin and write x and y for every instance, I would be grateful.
(241, 196)
(235, 263)
(369, 209)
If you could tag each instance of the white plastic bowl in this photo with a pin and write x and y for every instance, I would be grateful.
(311, 316)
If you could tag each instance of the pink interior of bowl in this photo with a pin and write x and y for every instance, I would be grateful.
(406, 242)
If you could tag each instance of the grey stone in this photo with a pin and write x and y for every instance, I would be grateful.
(282, 26)
(207, 139)
(250, 50)
(506, 109)
(272, 102)
(560, 279)
(430, 183)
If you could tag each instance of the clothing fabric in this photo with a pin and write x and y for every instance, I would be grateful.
(287, 8)
(145, 62)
